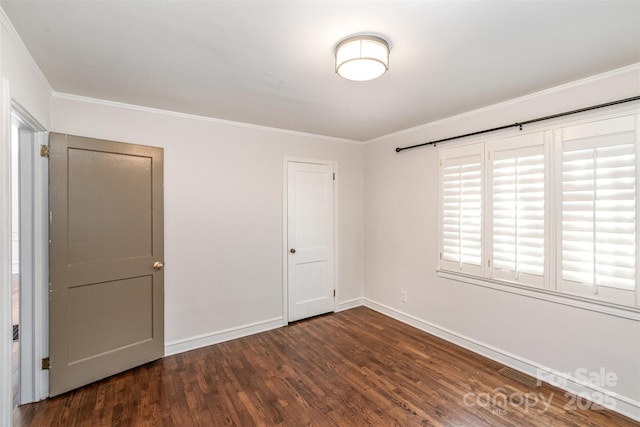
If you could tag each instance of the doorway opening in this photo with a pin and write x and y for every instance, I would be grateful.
(29, 257)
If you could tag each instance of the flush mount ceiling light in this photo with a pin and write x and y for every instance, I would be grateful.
(362, 58)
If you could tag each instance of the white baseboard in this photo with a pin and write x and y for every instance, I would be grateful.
(198, 341)
(352, 303)
(621, 404)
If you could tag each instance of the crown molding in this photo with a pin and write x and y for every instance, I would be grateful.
(510, 102)
(142, 109)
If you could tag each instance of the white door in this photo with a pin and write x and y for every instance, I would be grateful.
(310, 239)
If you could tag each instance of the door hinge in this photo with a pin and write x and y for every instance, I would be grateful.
(44, 151)
(334, 293)
(334, 176)
(488, 263)
(46, 364)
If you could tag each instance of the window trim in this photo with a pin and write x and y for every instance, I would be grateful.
(545, 294)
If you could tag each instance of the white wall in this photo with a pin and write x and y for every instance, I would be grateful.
(223, 212)
(27, 85)
(401, 250)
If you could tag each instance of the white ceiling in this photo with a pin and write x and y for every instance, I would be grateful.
(271, 62)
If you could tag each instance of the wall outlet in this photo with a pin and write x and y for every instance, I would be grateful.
(403, 296)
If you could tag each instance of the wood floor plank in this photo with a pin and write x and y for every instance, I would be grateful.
(352, 368)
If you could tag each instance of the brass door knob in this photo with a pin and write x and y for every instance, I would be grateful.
(158, 265)
(293, 251)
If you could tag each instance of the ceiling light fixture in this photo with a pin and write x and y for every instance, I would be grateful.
(362, 58)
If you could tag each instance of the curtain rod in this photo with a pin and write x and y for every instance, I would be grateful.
(520, 124)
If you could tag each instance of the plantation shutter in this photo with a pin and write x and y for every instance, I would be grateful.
(461, 209)
(598, 209)
(517, 203)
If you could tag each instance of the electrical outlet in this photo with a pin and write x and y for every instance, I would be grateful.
(403, 296)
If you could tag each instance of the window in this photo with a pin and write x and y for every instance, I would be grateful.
(553, 209)
(518, 225)
(598, 211)
(461, 176)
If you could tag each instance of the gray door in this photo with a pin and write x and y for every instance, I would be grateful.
(106, 309)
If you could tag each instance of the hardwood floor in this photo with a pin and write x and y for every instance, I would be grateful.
(353, 368)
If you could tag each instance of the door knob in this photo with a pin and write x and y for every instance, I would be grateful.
(293, 251)
(158, 265)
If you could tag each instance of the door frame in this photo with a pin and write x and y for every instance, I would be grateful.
(7, 106)
(285, 229)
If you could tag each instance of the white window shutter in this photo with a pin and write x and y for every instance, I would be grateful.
(517, 199)
(598, 209)
(558, 209)
(461, 177)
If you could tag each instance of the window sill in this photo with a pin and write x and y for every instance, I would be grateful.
(632, 313)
